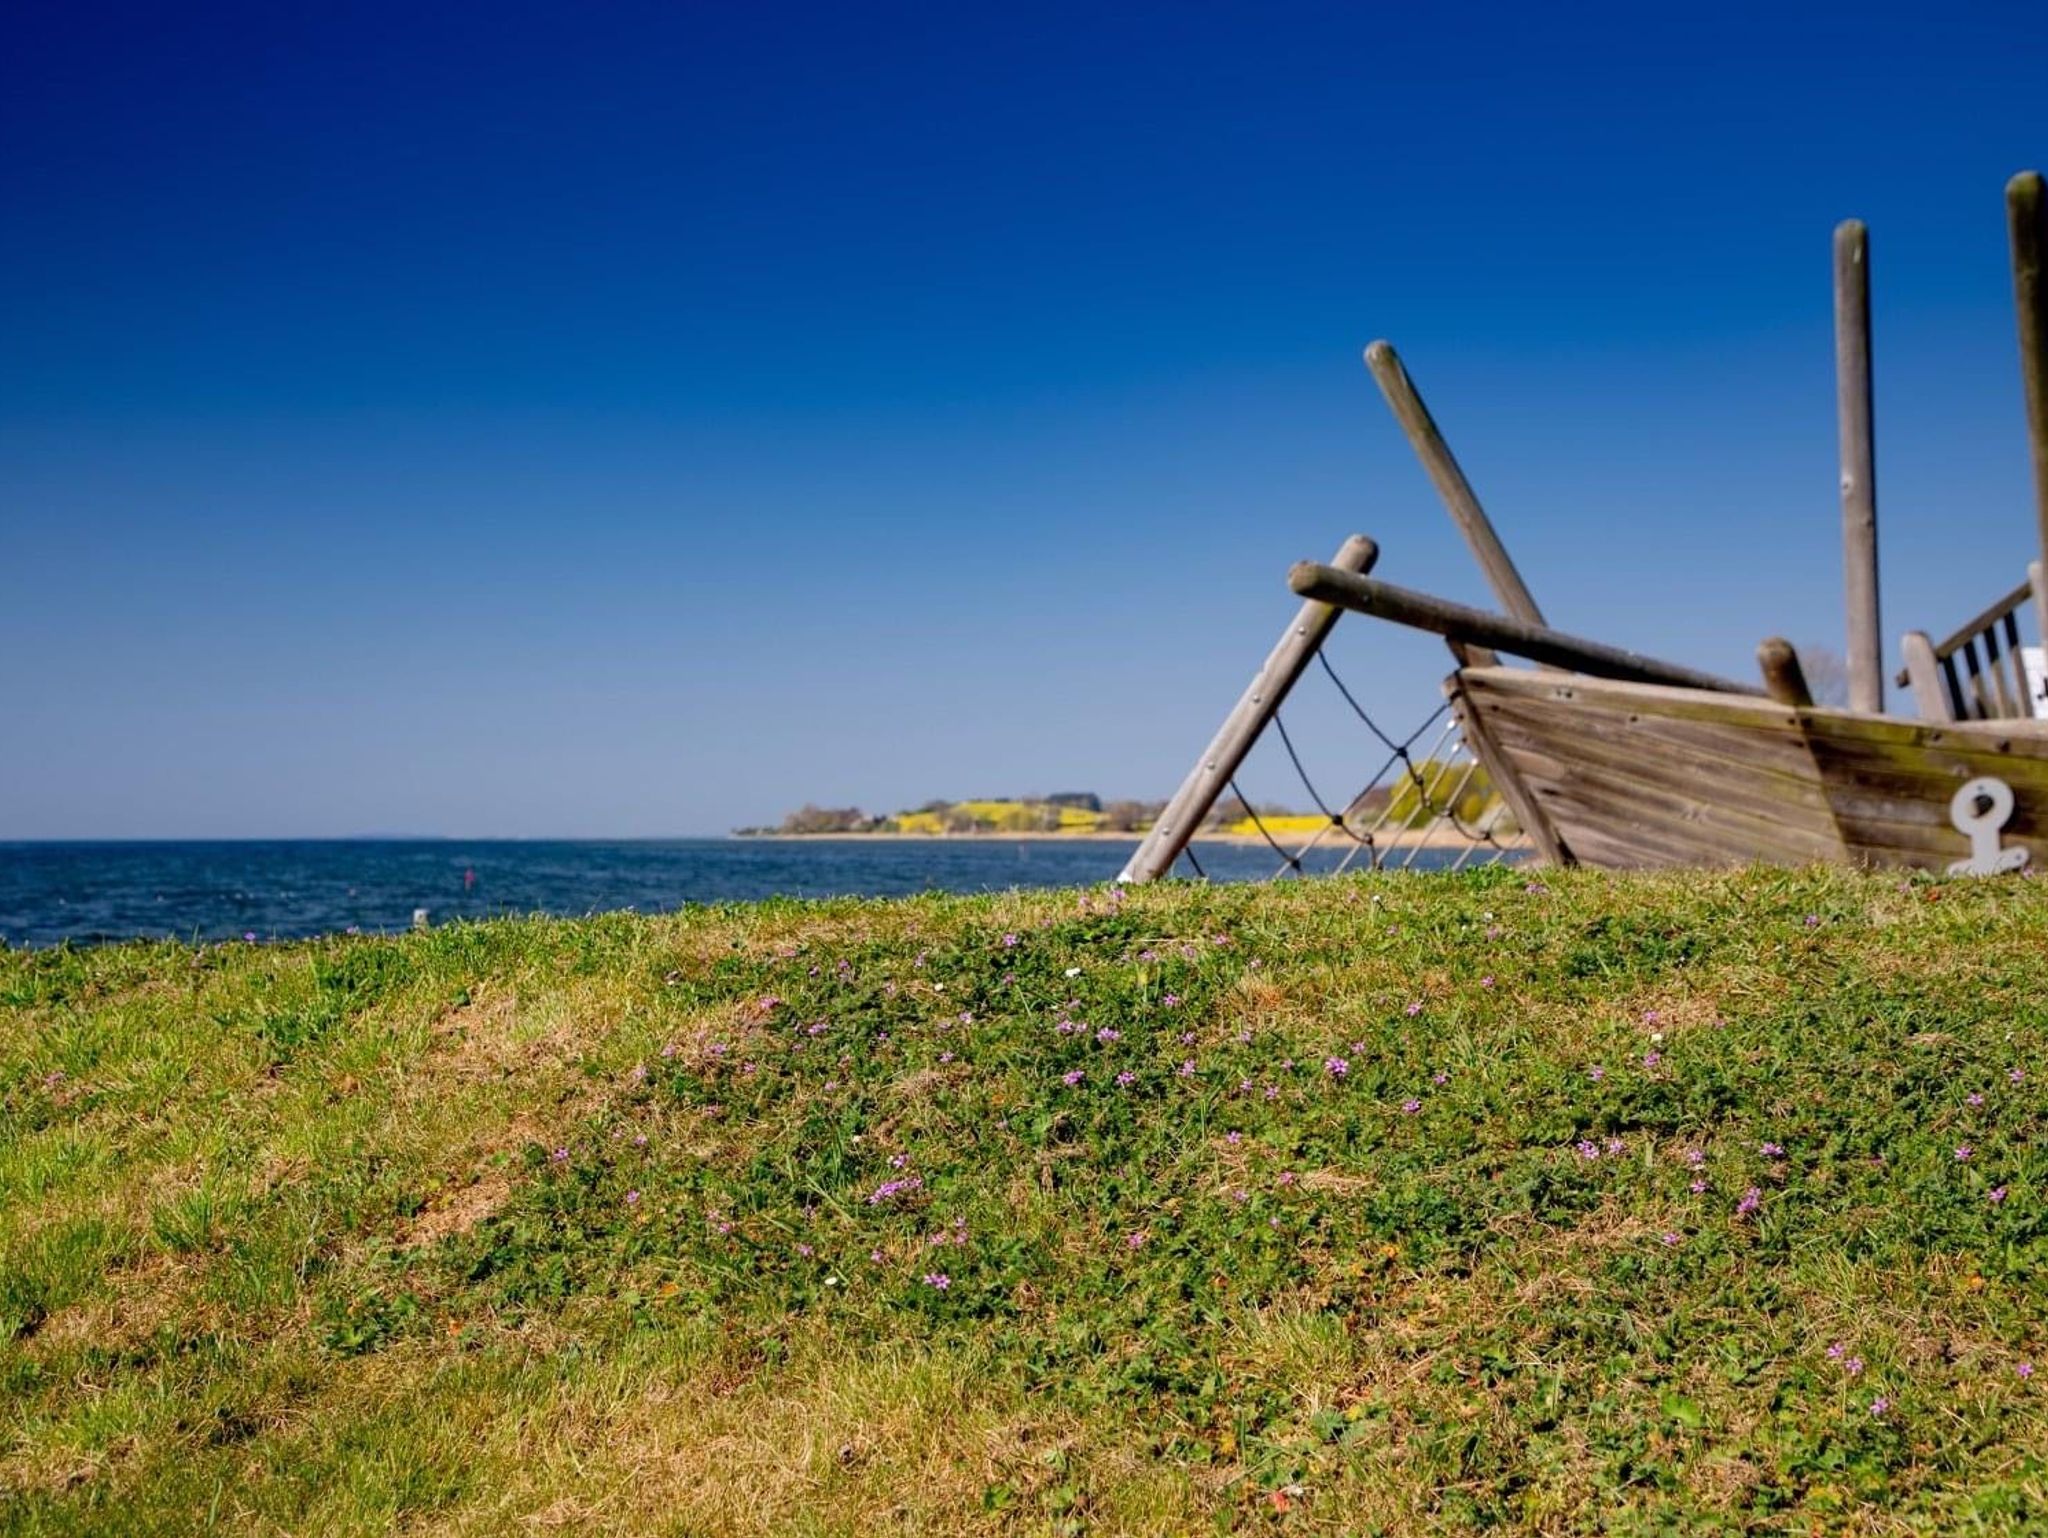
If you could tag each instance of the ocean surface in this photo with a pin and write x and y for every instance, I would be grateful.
(95, 892)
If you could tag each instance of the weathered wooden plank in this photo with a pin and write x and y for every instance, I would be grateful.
(1976, 706)
(1743, 806)
(1707, 826)
(1440, 616)
(1784, 678)
(1796, 801)
(1924, 671)
(2026, 209)
(1529, 814)
(1623, 696)
(1710, 752)
(1459, 499)
(1640, 774)
(1853, 412)
(2027, 737)
(1776, 752)
(1654, 833)
(2037, 583)
(2016, 662)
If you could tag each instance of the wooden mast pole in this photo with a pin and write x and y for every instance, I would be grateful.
(2027, 213)
(1428, 442)
(1262, 696)
(1853, 414)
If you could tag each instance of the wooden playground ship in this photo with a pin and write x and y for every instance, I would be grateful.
(1608, 758)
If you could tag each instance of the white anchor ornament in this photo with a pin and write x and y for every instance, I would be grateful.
(1979, 810)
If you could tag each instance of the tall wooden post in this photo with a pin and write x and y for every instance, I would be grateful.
(2027, 213)
(1859, 464)
(1297, 645)
(1423, 436)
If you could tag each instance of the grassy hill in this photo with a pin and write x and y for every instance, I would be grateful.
(1659, 1205)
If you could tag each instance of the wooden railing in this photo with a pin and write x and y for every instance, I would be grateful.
(1978, 673)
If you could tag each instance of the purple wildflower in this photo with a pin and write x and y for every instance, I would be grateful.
(890, 1189)
(561, 1156)
(1672, 1239)
(1135, 1239)
(1879, 1405)
(1187, 1069)
(1126, 1079)
(1439, 1078)
(2024, 1370)
(1588, 1149)
(1963, 1152)
(1695, 1157)
(1108, 1034)
(1751, 1200)
(1414, 1007)
(1072, 1077)
(1836, 1351)
(937, 1280)
(632, 1198)
(1410, 1107)
(1596, 1073)
(1973, 1098)
(1336, 1067)
(1771, 1150)
(1996, 1195)
(1698, 1186)
(1853, 1366)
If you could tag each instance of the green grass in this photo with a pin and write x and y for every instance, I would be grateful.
(588, 1226)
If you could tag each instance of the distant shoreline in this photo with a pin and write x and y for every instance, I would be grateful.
(1434, 837)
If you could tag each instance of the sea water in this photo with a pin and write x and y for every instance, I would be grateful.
(93, 892)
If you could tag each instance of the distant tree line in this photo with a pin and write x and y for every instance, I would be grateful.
(1410, 800)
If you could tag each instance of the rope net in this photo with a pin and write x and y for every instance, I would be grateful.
(1427, 802)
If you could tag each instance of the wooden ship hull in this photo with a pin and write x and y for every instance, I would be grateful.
(1629, 775)
(1611, 758)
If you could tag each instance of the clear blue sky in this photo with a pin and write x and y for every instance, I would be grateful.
(638, 420)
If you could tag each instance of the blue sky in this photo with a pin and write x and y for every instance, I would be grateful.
(639, 420)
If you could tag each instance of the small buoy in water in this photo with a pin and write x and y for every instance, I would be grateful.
(419, 918)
